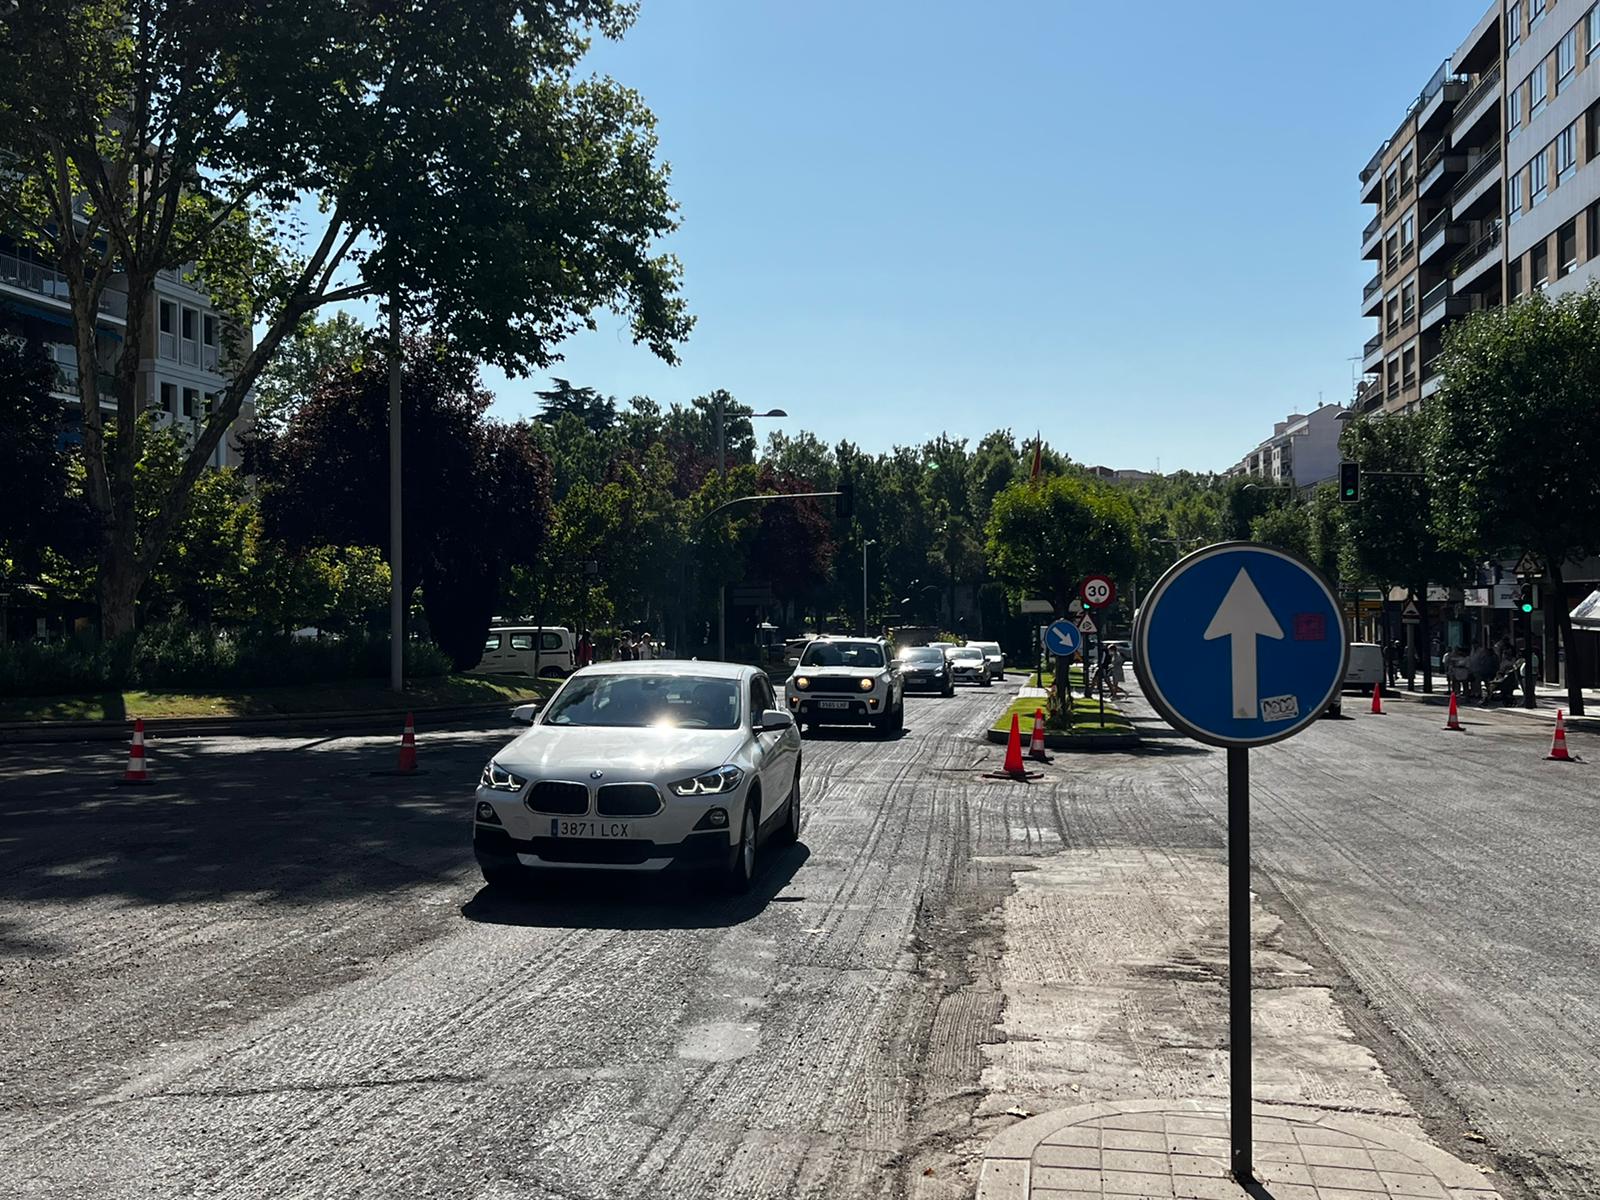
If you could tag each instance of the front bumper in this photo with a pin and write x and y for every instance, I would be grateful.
(495, 848)
(857, 710)
(967, 676)
(924, 683)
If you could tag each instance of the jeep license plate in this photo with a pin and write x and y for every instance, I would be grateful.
(834, 705)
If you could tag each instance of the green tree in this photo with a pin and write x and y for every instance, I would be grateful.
(1287, 527)
(460, 163)
(1513, 443)
(32, 464)
(317, 350)
(1045, 537)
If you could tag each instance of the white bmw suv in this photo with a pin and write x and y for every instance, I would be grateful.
(848, 681)
(641, 766)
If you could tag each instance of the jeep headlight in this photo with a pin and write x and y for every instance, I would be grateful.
(866, 685)
(497, 779)
(801, 682)
(713, 783)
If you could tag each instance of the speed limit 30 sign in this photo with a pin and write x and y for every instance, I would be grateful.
(1097, 591)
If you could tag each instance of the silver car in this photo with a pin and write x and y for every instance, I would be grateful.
(968, 665)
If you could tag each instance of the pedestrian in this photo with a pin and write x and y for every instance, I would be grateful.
(625, 647)
(1391, 661)
(1411, 665)
(585, 651)
(1484, 666)
(646, 649)
(1114, 666)
(1458, 671)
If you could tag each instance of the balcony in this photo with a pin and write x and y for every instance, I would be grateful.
(1440, 304)
(1372, 178)
(1437, 235)
(1372, 297)
(1475, 106)
(1372, 354)
(1472, 265)
(1443, 93)
(1481, 181)
(1372, 238)
(28, 275)
(1438, 166)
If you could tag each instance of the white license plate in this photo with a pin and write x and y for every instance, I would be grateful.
(834, 705)
(560, 828)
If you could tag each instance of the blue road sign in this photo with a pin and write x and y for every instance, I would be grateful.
(1063, 639)
(1240, 645)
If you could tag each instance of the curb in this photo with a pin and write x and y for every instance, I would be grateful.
(1068, 741)
(16, 733)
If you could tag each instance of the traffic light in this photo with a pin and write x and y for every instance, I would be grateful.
(846, 501)
(1349, 482)
(1525, 598)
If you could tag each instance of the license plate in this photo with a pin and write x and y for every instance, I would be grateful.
(834, 705)
(560, 828)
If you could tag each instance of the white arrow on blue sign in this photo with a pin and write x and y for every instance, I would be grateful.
(1063, 639)
(1240, 645)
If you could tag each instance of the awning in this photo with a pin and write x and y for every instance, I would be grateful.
(1587, 614)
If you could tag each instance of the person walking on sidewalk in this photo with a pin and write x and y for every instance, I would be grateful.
(1484, 667)
(1458, 670)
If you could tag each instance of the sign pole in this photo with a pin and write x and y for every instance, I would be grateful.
(1239, 961)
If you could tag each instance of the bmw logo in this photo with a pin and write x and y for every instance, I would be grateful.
(597, 774)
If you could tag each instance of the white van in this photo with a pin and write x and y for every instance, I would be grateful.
(511, 650)
(1364, 671)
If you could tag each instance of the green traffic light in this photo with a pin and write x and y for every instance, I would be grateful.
(1526, 607)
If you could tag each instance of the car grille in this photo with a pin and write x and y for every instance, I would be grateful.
(835, 684)
(564, 799)
(628, 800)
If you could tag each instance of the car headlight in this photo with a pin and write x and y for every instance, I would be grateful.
(713, 783)
(866, 685)
(497, 779)
(802, 682)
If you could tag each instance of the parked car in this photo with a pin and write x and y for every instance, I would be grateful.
(847, 681)
(642, 766)
(994, 656)
(968, 665)
(514, 649)
(925, 668)
(1364, 670)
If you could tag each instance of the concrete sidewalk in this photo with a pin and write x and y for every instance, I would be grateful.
(1179, 1150)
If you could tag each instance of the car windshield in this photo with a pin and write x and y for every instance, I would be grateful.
(637, 701)
(842, 654)
(922, 654)
(989, 648)
(967, 653)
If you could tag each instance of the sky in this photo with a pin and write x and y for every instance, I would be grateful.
(1132, 227)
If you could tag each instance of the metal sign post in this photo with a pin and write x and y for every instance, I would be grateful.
(1240, 645)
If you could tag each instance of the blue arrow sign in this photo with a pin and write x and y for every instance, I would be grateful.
(1063, 639)
(1240, 645)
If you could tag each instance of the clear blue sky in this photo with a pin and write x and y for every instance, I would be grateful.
(1133, 227)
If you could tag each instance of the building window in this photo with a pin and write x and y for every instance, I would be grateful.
(169, 398)
(1391, 188)
(1409, 368)
(1567, 153)
(191, 336)
(1513, 26)
(1538, 91)
(209, 355)
(1538, 178)
(1408, 168)
(191, 399)
(1513, 112)
(1408, 232)
(1539, 268)
(1392, 250)
(1566, 57)
(1567, 249)
(1514, 203)
(1594, 30)
(1593, 218)
(1535, 14)
(1391, 324)
(169, 329)
(1408, 302)
(1514, 279)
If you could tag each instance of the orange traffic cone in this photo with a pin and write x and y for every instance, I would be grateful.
(408, 747)
(1558, 747)
(1453, 722)
(1377, 699)
(1036, 743)
(136, 772)
(1013, 767)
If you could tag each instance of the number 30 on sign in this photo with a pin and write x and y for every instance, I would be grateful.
(1098, 591)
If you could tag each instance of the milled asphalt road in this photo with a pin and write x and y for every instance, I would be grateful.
(275, 974)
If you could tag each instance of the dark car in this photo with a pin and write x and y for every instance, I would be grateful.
(926, 669)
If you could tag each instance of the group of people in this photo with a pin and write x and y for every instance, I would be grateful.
(629, 648)
(1483, 674)
(1109, 671)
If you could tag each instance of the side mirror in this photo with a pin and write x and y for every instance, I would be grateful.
(774, 720)
(523, 714)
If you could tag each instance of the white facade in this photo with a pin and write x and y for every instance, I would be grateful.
(1302, 452)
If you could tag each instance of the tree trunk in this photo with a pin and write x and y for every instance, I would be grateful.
(1564, 624)
(118, 586)
(1424, 637)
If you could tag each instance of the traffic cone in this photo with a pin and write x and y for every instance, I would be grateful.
(1558, 747)
(1454, 721)
(136, 772)
(1036, 743)
(408, 747)
(1013, 764)
(1377, 699)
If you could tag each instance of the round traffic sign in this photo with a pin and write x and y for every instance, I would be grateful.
(1240, 645)
(1097, 591)
(1063, 639)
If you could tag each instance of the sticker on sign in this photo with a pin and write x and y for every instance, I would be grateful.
(1280, 708)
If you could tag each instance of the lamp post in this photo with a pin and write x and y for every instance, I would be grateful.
(397, 596)
(865, 628)
(720, 414)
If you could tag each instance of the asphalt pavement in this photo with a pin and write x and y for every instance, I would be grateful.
(275, 973)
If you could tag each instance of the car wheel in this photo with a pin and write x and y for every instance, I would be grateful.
(742, 863)
(790, 833)
(900, 716)
(949, 689)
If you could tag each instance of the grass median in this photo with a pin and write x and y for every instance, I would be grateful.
(1086, 718)
(353, 695)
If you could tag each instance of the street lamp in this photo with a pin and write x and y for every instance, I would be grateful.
(865, 629)
(720, 412)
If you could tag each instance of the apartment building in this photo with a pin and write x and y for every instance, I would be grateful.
(1302, 452)
(183, 366)
(1485, 191)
